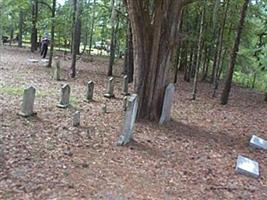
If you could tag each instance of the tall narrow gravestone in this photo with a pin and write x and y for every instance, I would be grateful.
(125, 85)
(28, 102)
(110, 88)
(167, 104)
(89, 91)
(57, 71)
(64, 96)
(129, 121)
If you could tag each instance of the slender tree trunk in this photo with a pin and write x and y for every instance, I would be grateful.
(219, 59)
(34, 38)
(20, 28)
(230, 71)
(92, 29)
(75, 39)
(113, 36)
(52, 34)
(129, 61)
(265, 96)
(11, 34)
(199, 47)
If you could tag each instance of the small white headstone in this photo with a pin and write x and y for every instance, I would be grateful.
(110, 88)
(258, 143)
(76, 118)
(247, 166)
(64, 96)
(129, 120)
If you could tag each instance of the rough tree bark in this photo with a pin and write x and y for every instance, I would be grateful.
(154, 39)
(230, 71)
(113, 19)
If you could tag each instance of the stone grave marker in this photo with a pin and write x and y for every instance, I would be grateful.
(76, 119)
(167, 104)
(258, 143)
(32, 61)
(28, 102)
(125, 85)
(64, 96)
(89, 91)
(247, 166)
(110, 88)
(57, 71)
(125, 101)
(129, 120)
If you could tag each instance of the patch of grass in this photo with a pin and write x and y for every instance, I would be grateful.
(18, 91)
(73, 101)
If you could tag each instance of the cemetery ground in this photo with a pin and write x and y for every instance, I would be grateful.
(191, 157)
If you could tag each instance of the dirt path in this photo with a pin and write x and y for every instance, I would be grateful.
(192, 157)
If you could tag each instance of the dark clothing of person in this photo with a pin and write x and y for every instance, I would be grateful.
(44, 47)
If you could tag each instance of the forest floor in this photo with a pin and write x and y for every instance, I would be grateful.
(191, 157)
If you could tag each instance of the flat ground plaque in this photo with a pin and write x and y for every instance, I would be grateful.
(247, 166)
(258, 143)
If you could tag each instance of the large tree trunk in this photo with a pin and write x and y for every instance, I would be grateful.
(154, 39)
(52, 34)
(20, 28)
(230, 71)
(34, 38)
(75, 39)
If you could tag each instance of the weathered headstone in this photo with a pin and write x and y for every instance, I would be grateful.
(64, 96)
(258, 143)
(125, 85)
(89, 91)
(28, 102)
(110, 88)
(125, 101)
(76, 119)
(57, 71)
(247, 166)
(129, 120)
(167, 104)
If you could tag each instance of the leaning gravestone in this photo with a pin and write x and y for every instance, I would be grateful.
(28, 102)
(64, 96)
(247, 166)
(76, 119)
(110, 88)
(129, 120)
(89, 91)
(258, 143)
(167, 104)
(57, 71)
(125, 85)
